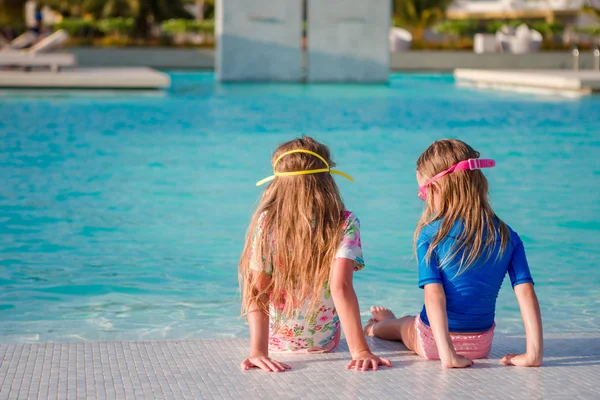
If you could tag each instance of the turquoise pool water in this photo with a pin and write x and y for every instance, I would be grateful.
(122, 215)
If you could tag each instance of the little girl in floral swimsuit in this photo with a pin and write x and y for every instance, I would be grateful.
(296, 270)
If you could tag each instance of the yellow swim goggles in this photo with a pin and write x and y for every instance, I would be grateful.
(306, 172)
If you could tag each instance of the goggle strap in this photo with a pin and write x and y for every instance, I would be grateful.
(306, 172)
(470, 164)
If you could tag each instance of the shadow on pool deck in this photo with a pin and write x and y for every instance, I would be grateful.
(210, 369)
(572, 352)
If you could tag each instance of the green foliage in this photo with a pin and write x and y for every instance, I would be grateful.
(595, 11)
(595, 29)
(206, 26)
(159, 9)
(113, 8)
(208, 2)
(548, 28)
(67, 8)
(459, 28)
(120, 26)
(496, 25)
(418, 15)
(141, 10)
(175, 26)
(77, 26)
(402, 8)
(589, 30)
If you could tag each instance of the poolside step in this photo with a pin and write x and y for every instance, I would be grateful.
(557, 81)
(86, 78)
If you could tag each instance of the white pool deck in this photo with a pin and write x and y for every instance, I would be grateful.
(209, 369)
(86, 78)
(557, 81)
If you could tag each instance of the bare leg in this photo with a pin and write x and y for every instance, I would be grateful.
(385, 325)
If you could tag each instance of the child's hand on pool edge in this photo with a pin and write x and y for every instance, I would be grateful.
(521, 360)
(265, 363)
(532, 318)
(364, 360)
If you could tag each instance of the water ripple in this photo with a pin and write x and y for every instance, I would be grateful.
(122, 216)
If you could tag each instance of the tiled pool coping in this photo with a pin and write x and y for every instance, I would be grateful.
(209, 369)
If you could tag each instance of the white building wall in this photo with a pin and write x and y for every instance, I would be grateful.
(348, 40)
(258, 40)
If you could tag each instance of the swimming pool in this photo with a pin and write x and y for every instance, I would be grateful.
(122, 215)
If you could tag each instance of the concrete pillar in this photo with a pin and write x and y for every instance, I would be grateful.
(258, 40)
(348, 40)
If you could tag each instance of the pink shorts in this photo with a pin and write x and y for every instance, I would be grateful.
(471, 346)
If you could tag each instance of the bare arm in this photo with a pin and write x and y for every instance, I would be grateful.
(258, 322)
(346, 304)
(532, 319)
(435, 305)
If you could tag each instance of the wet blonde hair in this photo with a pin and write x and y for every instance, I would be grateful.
(301, 223)
(461, 196)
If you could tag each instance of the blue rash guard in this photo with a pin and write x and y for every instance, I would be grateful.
(470, 296)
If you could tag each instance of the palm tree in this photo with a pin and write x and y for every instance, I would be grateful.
(203, 6)
(144, 11)
(112, 8)
(72, 8)
(592, 9)
(157, 11)
(418, 15)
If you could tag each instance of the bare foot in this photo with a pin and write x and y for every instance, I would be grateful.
(457, 362)
(380, 313)
(369, 327)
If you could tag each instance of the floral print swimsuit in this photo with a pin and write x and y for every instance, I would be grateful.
(320, 331)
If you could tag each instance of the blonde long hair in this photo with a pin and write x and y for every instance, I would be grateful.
(461, 196)
(296, 229)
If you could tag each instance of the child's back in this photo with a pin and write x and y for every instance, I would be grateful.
(470, 294)
(313, 328)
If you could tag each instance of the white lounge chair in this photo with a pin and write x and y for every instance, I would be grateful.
(21, 42)
(520, 40)
(503, 38)
(55, 41)
(484, 43)
(41, 55)
(536, 41)
(400, 40)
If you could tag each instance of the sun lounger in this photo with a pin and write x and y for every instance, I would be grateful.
(484, 43)
(400, 40)
(520, 40)
(21, 42)
(50, 43)
(54, 61)
(41, 55)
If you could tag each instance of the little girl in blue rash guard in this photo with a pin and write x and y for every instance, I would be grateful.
(463, 252)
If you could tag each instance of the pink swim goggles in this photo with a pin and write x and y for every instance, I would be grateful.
(470, 164)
